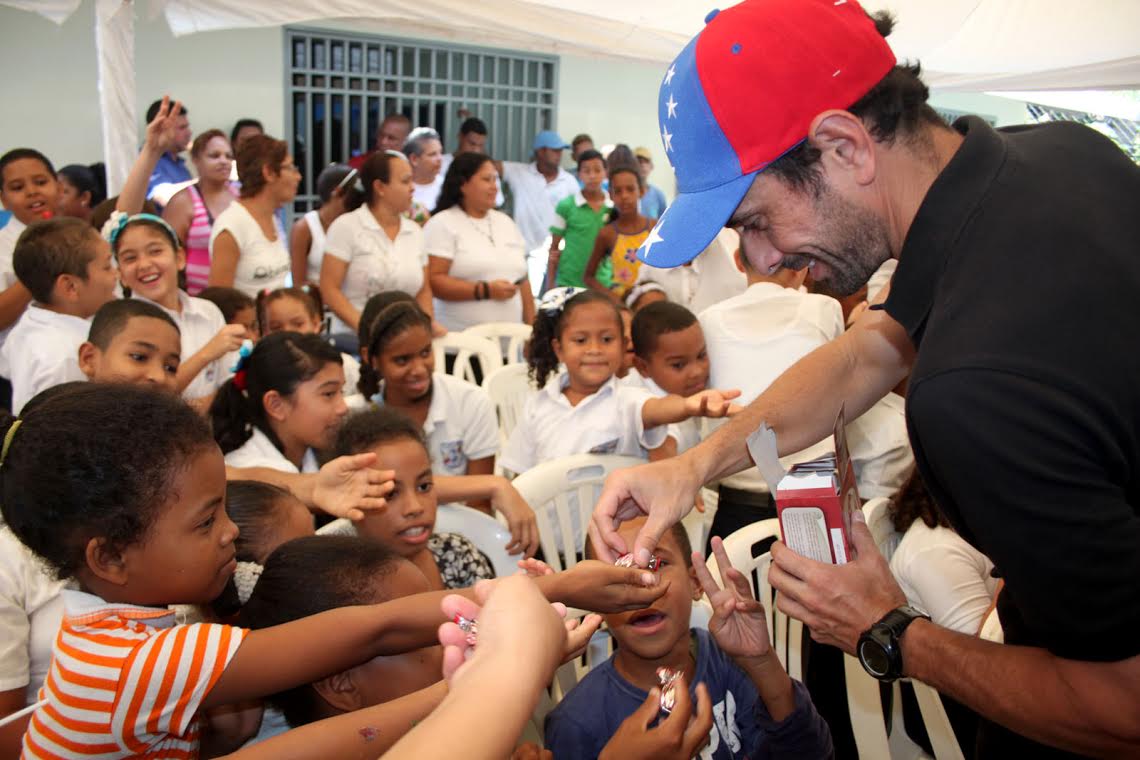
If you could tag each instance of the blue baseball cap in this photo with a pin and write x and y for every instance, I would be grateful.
(744, 92)
(549, 139)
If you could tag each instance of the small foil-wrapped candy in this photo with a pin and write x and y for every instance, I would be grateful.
(469, 627)
(626, 560)
(668, 680)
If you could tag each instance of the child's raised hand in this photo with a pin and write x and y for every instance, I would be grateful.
(739, 623)
(712, 403)
(578, 634)
(606, 588)
(161, 133)
(507, 501)
(533, 568)
(674, 738)
(349, 487)
(228, 339)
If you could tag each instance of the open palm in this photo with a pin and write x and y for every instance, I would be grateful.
(739, 622)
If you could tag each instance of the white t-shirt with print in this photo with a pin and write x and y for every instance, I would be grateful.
(259, 451)
(488, 249)
(263, 264)
(375, 262)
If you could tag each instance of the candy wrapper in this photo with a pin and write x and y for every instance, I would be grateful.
(626, 560)
(668, 679)
(468, 627)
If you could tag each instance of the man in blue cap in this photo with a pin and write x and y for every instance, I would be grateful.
(537, 187)
(791, 121)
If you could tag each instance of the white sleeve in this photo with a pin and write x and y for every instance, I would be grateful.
(481, 428)
(439, 238)
(632, 401)
(228, 223)
(519, 454)
(421, 248)
(950, 582)
(338, 240)
(511, 171)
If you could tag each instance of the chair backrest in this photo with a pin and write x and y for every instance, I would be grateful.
(562, 494)
(508, 388)
(511, 337)
(487, 533)
(465, 347)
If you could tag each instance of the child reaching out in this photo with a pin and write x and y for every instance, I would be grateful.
(619, 240)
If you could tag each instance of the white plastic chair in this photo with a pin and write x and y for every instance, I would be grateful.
(465, 347)
(511, 337)
(487, 533)
(508, 388)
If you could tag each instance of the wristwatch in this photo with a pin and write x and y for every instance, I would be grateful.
(879, 648)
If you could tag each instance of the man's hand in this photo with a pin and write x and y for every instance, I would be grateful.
(739, 623)
(674, 738)
(665, 491)
(349, 487)
(837, 602)
(507, 501)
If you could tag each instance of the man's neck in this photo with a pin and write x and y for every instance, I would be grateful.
(642, 672)
(550, 172)
(910, 169)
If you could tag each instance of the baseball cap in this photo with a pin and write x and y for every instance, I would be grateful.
(641, 152)
(549, 139)
(742, 93)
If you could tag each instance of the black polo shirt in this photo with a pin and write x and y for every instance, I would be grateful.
(1019, 283)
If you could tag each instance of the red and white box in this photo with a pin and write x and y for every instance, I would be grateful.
(814, 499)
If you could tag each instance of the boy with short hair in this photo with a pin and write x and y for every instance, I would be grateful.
(759, 712)
(132, 341)
(670, 357)
(66, 266)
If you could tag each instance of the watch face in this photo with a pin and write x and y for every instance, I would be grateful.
(874, 658)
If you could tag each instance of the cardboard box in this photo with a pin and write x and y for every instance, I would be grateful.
(815, 499)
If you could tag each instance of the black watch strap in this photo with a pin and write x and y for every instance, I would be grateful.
(879, 648)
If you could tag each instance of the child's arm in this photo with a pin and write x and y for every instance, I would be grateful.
(553, 255)
(672, 408)
(228, 339)
(366, 733)
(602, 245)
(503, 498)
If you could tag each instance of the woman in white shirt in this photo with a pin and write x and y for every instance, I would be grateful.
(476, 255)
(375, 248)
(247, 244)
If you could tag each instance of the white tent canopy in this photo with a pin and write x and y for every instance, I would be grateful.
(969, 45)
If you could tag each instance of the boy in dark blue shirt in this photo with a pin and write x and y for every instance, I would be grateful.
(758, 711)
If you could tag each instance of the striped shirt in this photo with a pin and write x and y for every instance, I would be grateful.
(126, 681)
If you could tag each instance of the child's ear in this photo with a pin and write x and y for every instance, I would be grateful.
(180, 258)
(641, 366)
(276, 406)
(556, 344)
(695, 584)
(107, 564)
(65, 289)
(88, 359)
(339, 691)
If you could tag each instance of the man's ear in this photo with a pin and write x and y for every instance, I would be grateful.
(105, 563)
(845, 143)
(736, 259)
(339, 691)
(276, 406)
(88, 359)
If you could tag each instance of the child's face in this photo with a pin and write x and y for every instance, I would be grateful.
(313, 414)
(652, 296)
(679, 363)
(187, 555)
(405, 525)
(592, 173)
(627, 354)
(654, 632)
(148, 263)
(71, 201)
(246, 316)
(29, 190)
(145, 352)
(590, 344)
(406, 364)
(625, 191)
(99, 287)
(290, 314)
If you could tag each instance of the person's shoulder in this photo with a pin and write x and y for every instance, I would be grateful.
(459, 390)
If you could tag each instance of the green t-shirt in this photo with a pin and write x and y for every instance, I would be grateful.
(578, 224)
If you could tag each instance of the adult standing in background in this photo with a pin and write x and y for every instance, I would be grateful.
(391, 135)
(243, 129)
(247, 243)
(537, 187)
(476, 254)
(473, 136)
(653, 203)
(425, 154)
(170, 173)
(192, 210)
(790, 120)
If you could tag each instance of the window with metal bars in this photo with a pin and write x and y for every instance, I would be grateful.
(340, 86)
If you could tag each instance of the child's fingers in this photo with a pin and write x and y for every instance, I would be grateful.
(739, 583)
(704, 577)
(647, 712)
(722, 560)
(454, 604)
(730, 394)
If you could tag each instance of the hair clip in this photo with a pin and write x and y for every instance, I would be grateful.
(120, 219)
(347, 179)
(8, 439)
(554, 300)
(245, 578)
(243, 356)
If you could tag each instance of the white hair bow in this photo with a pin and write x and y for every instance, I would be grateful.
(555, 299)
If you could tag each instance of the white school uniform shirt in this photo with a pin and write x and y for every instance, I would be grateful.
(316, 246)
(259, 451)
(608, 422)
(9, 234)
(198, 322)
(711, 278)
(461, 424)
(30, 612)
(881, 278)
(375, 262)
(687, 434)
(488, 249)
(535, 198)
(445, 164)
(351, 378)
(263, 264)
(427, 195)
(42, 351)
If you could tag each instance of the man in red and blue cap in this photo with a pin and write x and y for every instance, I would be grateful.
(791, 121)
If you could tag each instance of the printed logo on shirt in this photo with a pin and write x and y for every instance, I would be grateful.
(452, 455)
(724, 728)
(608, 447)
(268, 273)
